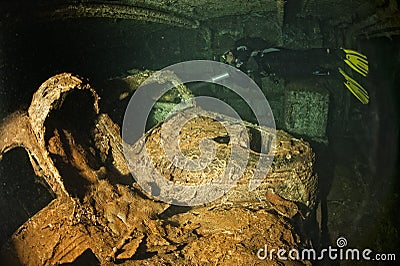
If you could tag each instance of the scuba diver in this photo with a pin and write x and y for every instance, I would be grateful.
(256, 57)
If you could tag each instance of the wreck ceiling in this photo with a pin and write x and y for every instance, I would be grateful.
(189, 13)
(372, 18)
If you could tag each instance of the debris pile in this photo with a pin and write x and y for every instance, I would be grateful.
(100, 209)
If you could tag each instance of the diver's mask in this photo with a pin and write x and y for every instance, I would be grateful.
(230, 59)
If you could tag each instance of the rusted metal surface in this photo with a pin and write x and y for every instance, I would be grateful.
(99, 207)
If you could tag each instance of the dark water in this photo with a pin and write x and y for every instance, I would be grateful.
(358, 169)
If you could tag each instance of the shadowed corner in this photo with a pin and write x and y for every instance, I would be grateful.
(22, 195)
(87, 258)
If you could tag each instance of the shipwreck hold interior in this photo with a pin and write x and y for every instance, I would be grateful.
(66, 128)
(355, 145)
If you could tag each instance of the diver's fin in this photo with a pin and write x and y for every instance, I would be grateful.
(355, 88)
(357, 61)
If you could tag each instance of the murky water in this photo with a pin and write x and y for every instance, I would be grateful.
(357, 161)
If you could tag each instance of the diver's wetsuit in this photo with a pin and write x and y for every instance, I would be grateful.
(255, 56)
